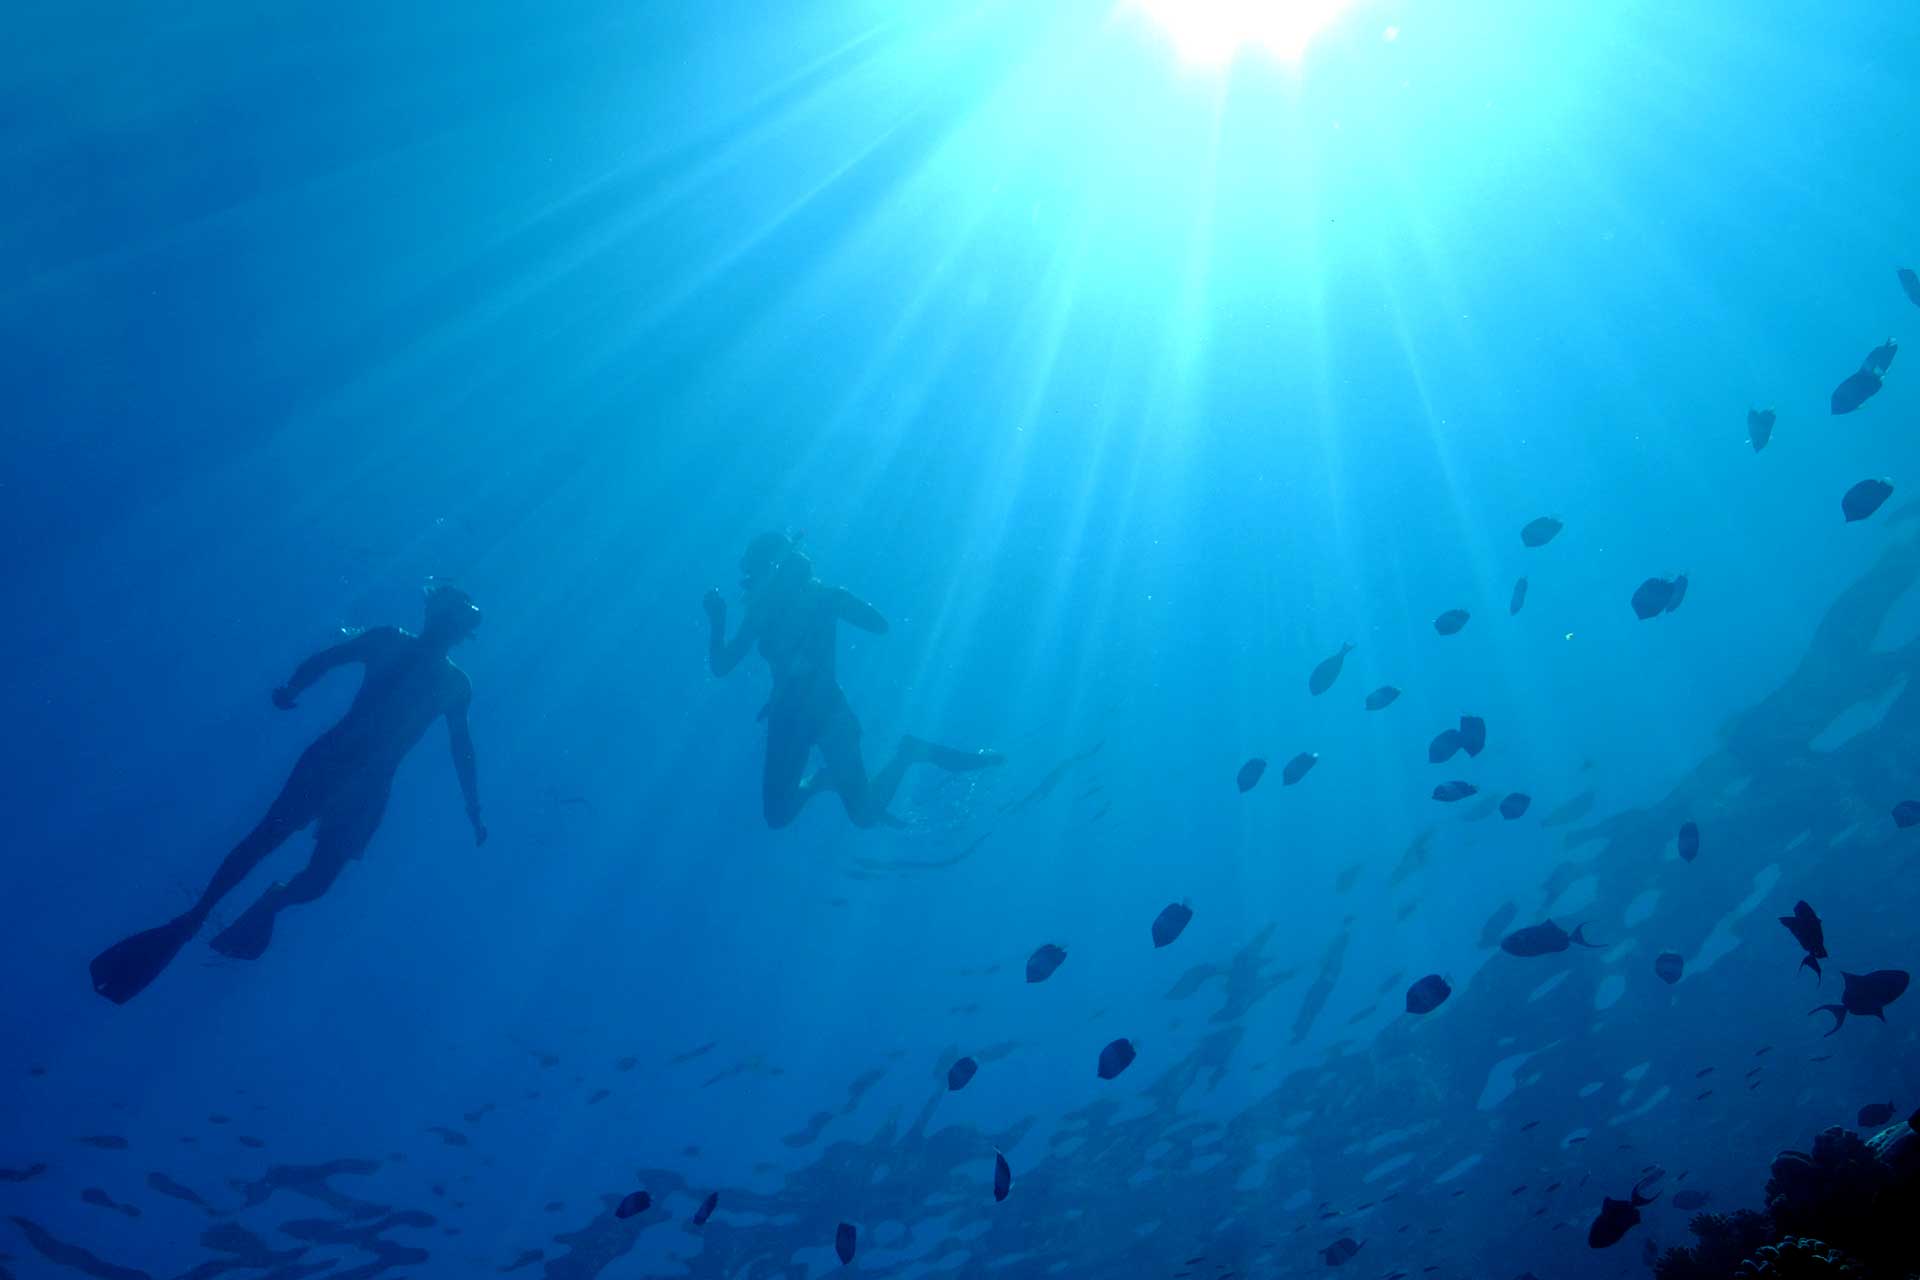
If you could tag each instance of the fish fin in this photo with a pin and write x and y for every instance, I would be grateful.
(1880, 1014)
(1808, 962)
(1579, 935)
(1839, 1012)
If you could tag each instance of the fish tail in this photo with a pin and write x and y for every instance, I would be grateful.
(1839, 1012)
(1808, 962)
(1579, 935)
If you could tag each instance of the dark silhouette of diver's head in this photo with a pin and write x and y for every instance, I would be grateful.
(774, 558)
(452, 615)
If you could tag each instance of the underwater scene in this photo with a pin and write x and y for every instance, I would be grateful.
(931, 639)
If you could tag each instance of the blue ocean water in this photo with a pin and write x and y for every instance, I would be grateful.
(1128, 388)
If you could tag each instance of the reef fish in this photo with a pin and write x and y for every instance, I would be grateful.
(636, 1202)
(1545, 939)
(1910, 283)
(1515, 805)
(1450, 622)
(1340, 1251)
(1865, 994)
(1298, 767)
(1381, 697)
(1759, 428)
(1669, 965)
(960, 1073)
(1171, 923)
(1445, 745)
(1653, 598)
(1428, 994)
(706, 1209)
(1449, 792)
(1864, 499)
(1689, 842)
(1875, 1113)
(1044, 960)
(844, 1238)
(1249, 775)
(1806, 930)
(1906, 813)
(1473, 735)
(1002, 1177)
(1327, 672)
(1519, 596)
(1115, 1058)
(1539, 532)
(1617, 1217)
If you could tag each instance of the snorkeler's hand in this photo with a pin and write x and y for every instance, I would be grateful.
(284, 698)
(716, 606)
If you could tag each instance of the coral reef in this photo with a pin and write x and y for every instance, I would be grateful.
(1843, 1209)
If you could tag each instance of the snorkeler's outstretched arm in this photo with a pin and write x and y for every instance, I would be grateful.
(460, 738)
(854, 611)
(358, 649)
(724, 655)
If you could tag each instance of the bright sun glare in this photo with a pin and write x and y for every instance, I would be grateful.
(1214, 32)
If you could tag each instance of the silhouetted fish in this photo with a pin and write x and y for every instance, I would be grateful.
(1689, 842)
(1515, 805)
(1651, 598)
(1115, 1058)
(1002, 1177)
(1759, 428)
(1539, 532)
(1428, 994)
(1806, 930)
(1669, 965)
(959, 1073)
(1875, 1113)
(1450, 622)
(1340, 1251)
(1545, 939)
(1519, 597)
(1864, 499)
(1911, 284)
(1473, 735)
(1865, 994)
(636, 1202)
(1617, 1217)
(1249, 774)
(1044, 960)
(1171, 923)
(1449, 792)
(706, 1209)
(1381, 697)
(1298, 767)
(1855, 390)
(1327, 672)
(1906, 813)
(844, 1238)
(104, 1141)
(1880, 359)
(1691, 1200)
(1445, 745)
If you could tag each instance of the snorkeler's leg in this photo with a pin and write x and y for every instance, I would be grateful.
(846, 771)
(914, 751)
(781, 791)
(341, 838)
(124, 970)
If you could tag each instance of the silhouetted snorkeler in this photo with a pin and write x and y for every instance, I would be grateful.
(340, 784)
(791, 616)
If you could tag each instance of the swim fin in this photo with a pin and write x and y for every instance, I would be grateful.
(949, 758)
(248, 937)
(123, 970)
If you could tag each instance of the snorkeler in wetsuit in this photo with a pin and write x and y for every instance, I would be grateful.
(791, 616)
(339, 785)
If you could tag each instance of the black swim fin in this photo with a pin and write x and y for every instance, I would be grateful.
(123, 970)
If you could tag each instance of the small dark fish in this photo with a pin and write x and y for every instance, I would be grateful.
(1042, 963)
(1911, 284)
(1703, 1073)
(1445, 745)
(1515, 805)
(1689, 842)
(452, 1137)
(1298, 767)
(1531, 1124)
(217, 1118)
(1450, 622)
(1669, 965)
(1652, 597)
(959, 1073)
(1115, 1058)
(1617, 1217)
(844, 1239)
(1545, 939)
(1002, 1177)
(252, 1143)
(1806, 930)
(1906, 813)
(1171, 923)
(626, 1064)
(1249, 775)
(1428, 994)
(1539, 532)
(1864, 499)
(1880, 359)
(1691, 1200)
(1340, 1251)
(637, 1202)
(1855, 390)
(105, 1141)
(1518, 599)
(1327, 672)
(706, 1209)
(1759, 428)
(1449, 792)
(1865, 994)
(1517, 1190)
(1875, 1114)
(1473, 735)
(1381, 697)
